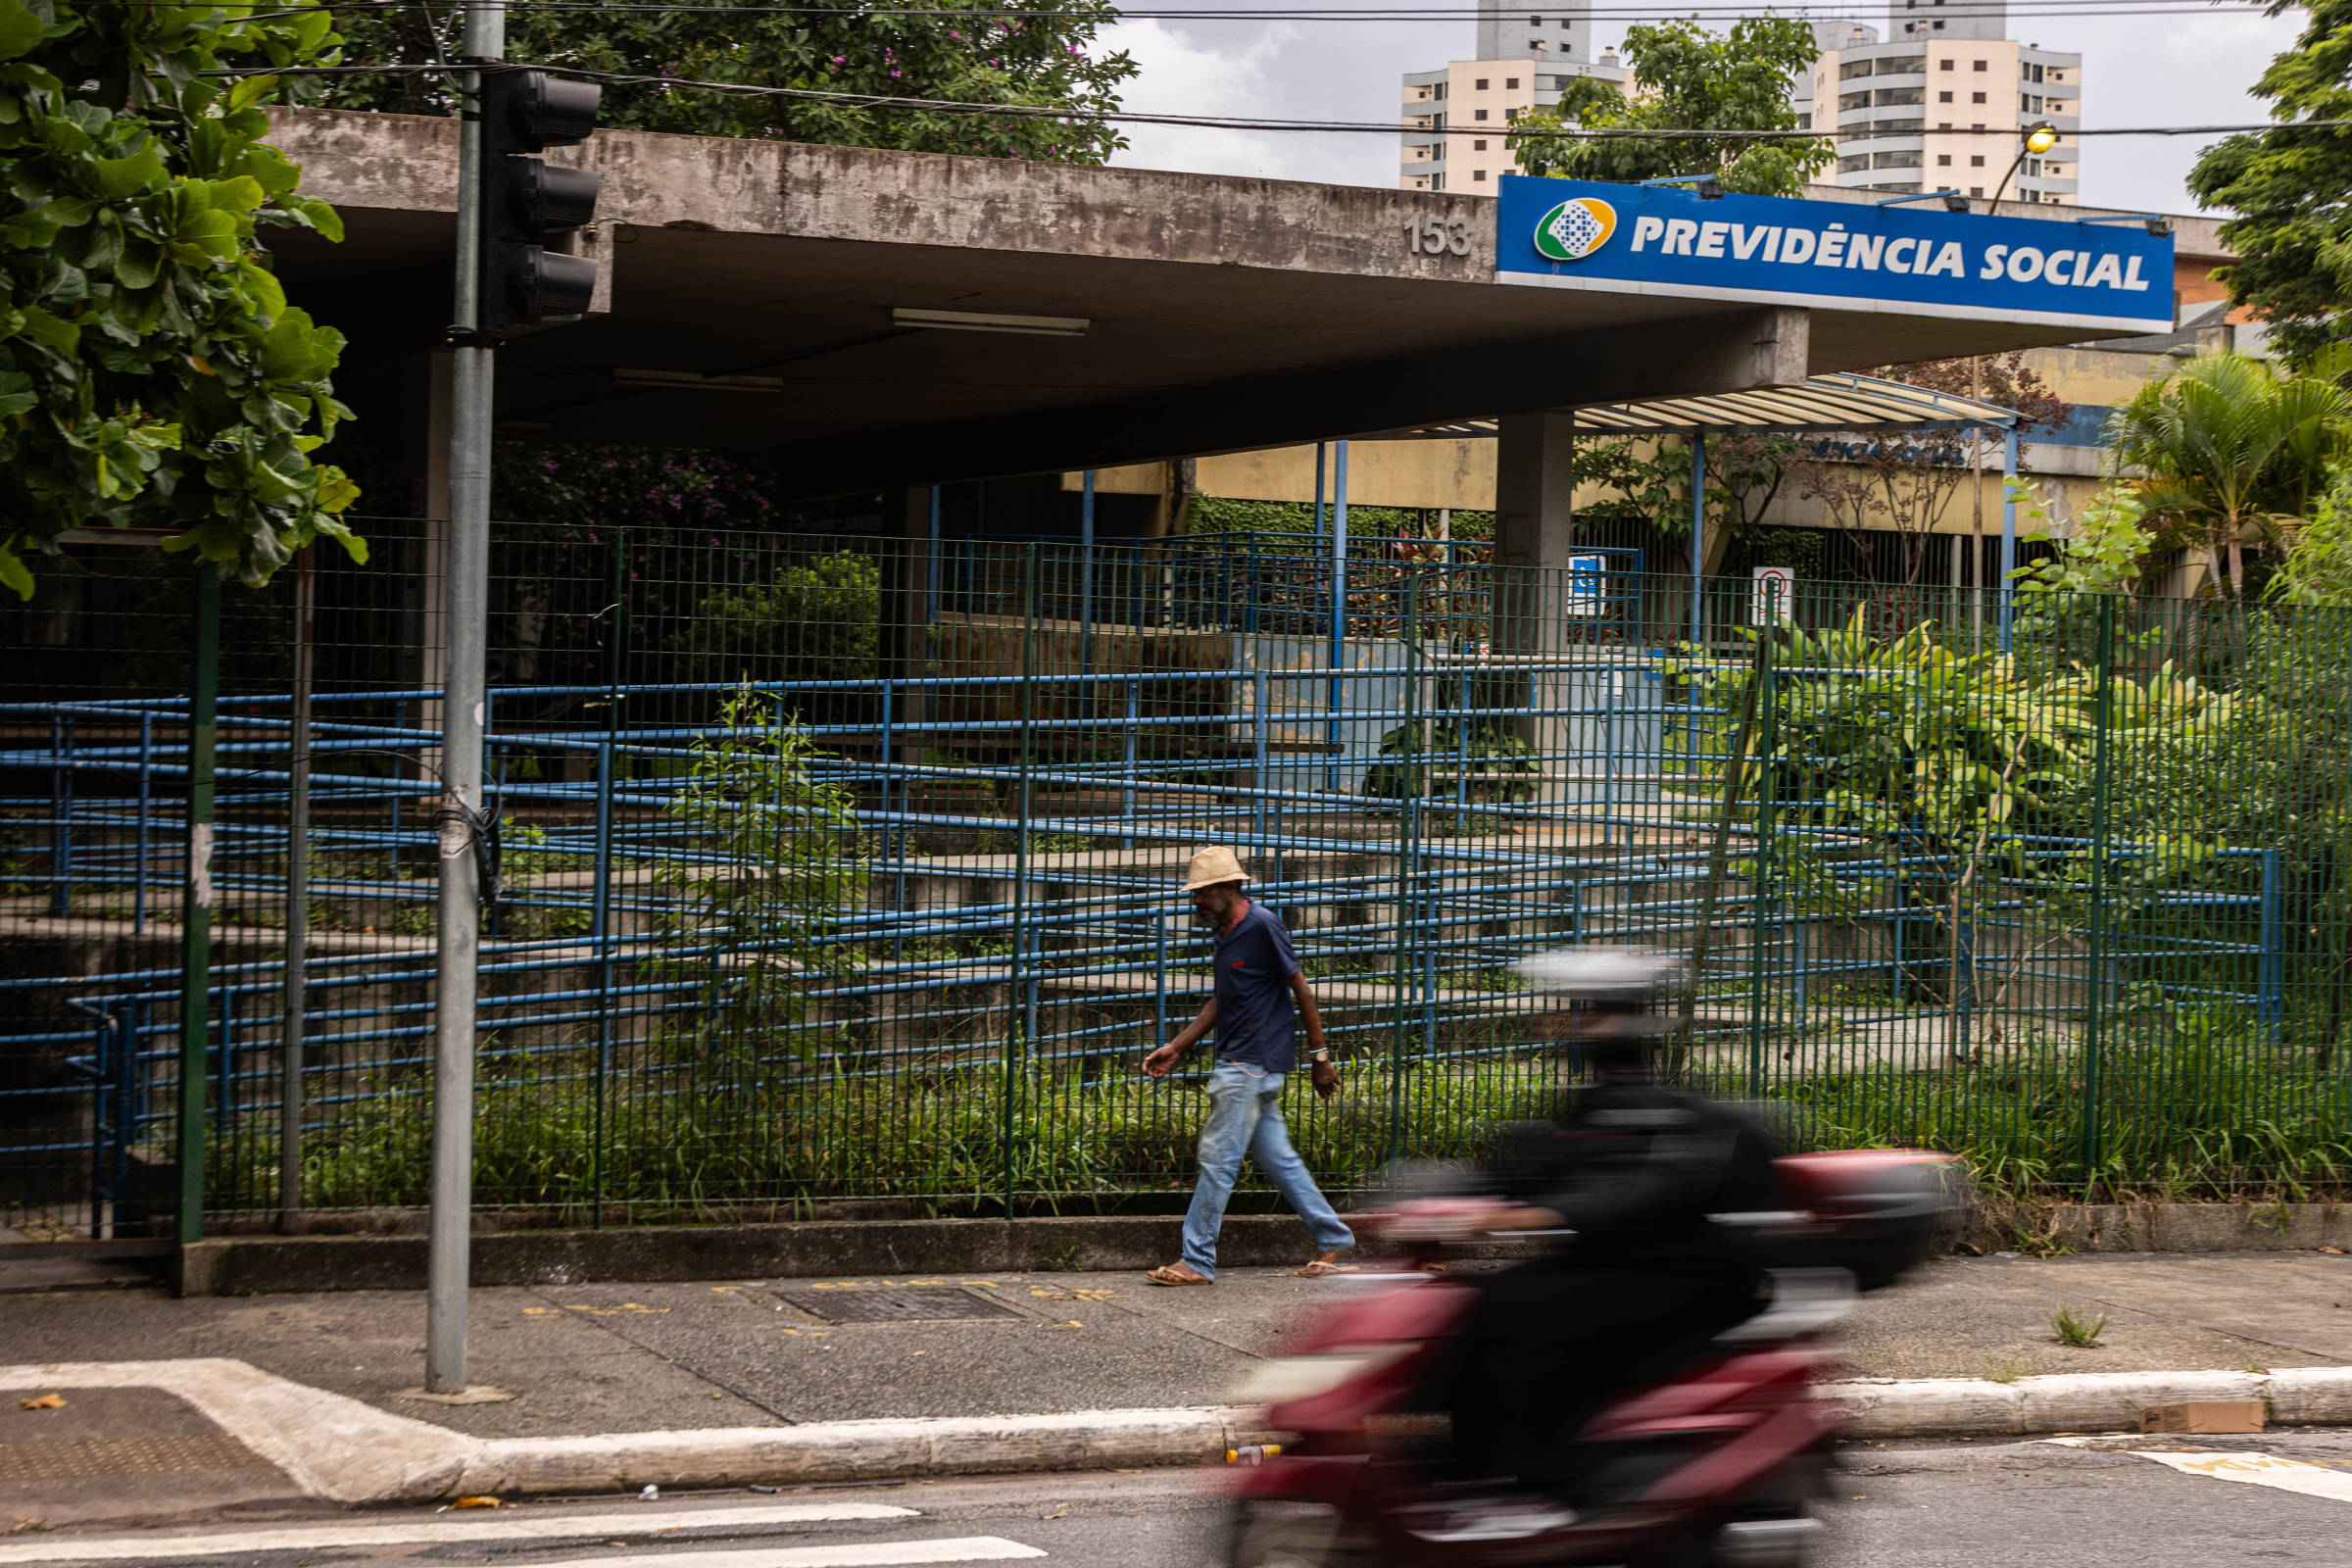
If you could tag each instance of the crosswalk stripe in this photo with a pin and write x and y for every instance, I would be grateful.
(863, 1554)
(2261, 1470)
(520, 1526)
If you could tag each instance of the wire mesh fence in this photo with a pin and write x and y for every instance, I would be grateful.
(838, 871)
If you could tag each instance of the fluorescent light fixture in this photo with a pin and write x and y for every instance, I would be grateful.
(970, 322)
(689, 381)
(2156, 223)
(1953, 201)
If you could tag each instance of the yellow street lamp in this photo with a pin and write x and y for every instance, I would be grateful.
(2040, 139)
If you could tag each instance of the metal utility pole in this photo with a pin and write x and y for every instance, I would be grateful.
(464, 605)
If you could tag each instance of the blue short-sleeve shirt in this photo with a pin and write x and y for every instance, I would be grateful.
(1256, 1021)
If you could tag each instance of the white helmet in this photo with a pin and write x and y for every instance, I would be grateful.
(1619, 977)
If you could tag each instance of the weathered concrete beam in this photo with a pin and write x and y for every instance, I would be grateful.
(408, 163)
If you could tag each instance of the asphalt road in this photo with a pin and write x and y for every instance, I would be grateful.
(2015, 1506)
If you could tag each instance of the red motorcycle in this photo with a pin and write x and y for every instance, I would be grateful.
(1718, 1464)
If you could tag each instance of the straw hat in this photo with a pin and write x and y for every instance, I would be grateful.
(1210, 866)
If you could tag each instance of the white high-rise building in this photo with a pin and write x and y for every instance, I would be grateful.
(1457, 119)
(1944, 101)
(1830, 33)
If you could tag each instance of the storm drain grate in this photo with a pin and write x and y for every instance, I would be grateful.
(900, 1306)
(123, 1456)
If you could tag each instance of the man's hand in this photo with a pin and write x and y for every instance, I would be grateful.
(1326, 1079)
(1163, 1061)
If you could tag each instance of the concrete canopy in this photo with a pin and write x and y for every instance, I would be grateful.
(751, 287)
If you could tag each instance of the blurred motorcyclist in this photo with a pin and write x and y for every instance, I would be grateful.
(1634, 1170)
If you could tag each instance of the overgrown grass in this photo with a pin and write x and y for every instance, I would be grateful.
(2172, 1120)
(684, 1132)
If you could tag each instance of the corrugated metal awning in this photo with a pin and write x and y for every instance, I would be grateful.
(1841, 402)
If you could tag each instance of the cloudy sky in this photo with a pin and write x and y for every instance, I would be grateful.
(2137, 70)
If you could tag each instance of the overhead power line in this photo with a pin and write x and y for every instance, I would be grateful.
(1703, 11)
(948, 106)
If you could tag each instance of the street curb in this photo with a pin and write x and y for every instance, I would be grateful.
(340, 1449)
(2077, 1402)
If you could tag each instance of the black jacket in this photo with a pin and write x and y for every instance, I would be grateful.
(1636, 1171)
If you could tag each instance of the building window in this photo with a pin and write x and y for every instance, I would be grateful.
(1979, 65)
(1511, 83)
(1976, 97)
(1481, 84)
(1943, 124)
(1944, 97)
(1976, 160)
(1976, 127)
(1943, 159)
(1437, 183)
(1535, 46)
(1975, 190)
(1478, 114)
(1478, 174)
(1479, 146)
(1945, 65)
(1939, 24)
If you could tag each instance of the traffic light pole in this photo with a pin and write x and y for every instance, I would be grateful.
(465, 600)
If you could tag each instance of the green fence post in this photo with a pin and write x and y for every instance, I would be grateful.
(1759, 887)
(196, 905)
(1408, 867)
(2096, 937)
(1734, 774)
(1019, 1027)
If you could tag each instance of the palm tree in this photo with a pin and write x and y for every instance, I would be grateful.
(2233, 448)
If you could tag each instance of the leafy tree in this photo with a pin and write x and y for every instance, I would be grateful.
(1039, 57)
(1688, 78)
(151, 371)
(2318, 568)
(2291, 189)
(1904, 480)
(1649, 482)
(775, 861)
(2233, 447)
(814, 623)
(2105, 548)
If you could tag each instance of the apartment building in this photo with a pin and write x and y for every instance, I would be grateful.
(1456, 119)
(1943, 103)
(1830, 34)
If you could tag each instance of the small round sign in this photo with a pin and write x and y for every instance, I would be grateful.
(1576, 228)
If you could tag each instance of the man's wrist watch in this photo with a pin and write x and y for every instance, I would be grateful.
(1321, 1053)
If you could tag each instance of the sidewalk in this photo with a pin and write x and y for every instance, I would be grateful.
(777, 1354)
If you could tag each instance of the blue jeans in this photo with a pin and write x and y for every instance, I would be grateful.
(1245, 1114)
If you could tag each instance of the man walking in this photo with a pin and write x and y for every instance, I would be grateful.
(1257, 978)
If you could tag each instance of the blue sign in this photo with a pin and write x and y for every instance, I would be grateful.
(1909, 260)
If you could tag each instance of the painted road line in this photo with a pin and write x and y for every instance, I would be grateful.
(2261, 1470)
(447, 1529)
(864, 1554)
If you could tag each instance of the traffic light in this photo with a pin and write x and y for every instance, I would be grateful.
(524, 201)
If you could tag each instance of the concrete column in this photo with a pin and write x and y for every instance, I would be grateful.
(1535, 532)
(1535, 511)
